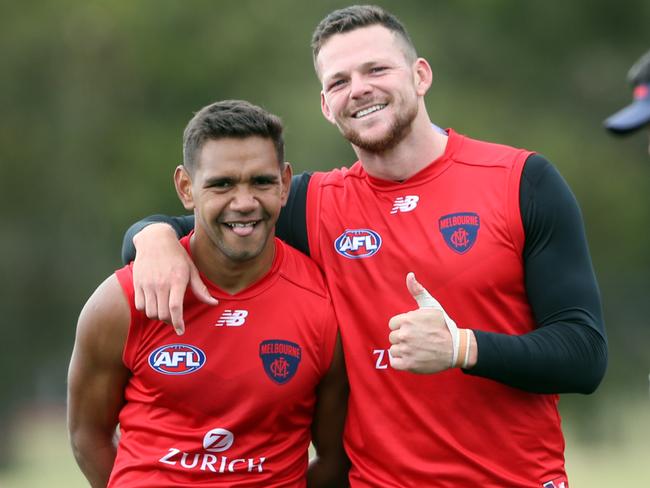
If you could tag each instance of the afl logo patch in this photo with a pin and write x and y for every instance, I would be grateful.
(176, 359)
(358, 243)
(280, 359)
(460, 230)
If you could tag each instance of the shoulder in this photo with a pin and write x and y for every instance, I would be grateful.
(301, 272)
(338, 176)
(482, 153)
(105, 318)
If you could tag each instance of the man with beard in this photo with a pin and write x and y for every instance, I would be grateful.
(461, 390)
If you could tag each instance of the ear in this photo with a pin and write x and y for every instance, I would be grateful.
(286, 175)
(423, 76)
(324, 107)
(183, 184)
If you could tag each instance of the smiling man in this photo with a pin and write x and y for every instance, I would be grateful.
(457, 390)
(255, 378)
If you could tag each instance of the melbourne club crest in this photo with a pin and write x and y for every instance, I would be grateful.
(280, 359)
(460, 230)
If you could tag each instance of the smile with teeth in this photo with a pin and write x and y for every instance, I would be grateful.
(369, 110)
(241, 224)
(242, 229)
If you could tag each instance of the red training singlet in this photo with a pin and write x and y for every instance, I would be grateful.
(230, 402)
(457, 225)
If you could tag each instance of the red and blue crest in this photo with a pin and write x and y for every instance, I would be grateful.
(460, 230)
(280, 359)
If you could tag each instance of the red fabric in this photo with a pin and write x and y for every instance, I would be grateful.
(447, 429)
(166, 417)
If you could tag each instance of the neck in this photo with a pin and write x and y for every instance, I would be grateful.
(423, 145)
(230, 275)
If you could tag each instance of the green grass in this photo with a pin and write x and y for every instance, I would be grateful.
(614, 451)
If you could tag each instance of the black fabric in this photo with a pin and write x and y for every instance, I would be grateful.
(567, 352)
(292, 224)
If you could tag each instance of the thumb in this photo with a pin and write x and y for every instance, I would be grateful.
(420, 293)
(199, 289)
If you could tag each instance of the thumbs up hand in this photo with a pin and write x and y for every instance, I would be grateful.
(427, 340)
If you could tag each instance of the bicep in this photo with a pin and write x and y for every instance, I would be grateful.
(560, 280)
(292, 223)
(97, 375)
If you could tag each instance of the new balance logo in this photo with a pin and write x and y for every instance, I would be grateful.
(405, 204)
(232, 318)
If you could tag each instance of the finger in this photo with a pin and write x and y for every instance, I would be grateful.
(396, 322)
(395, 337)
(162, 301)
(139, 299)
(176, 297)
(199, 289)
(397, 362)
(150, 304)
(420, 294)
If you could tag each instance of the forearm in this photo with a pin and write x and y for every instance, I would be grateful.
(324, 474)
(560, 358)
(181, 226)
(95, 455)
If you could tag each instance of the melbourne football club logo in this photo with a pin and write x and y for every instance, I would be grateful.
(177, 359)
(460, 230)
(358, 243)
(280, 359)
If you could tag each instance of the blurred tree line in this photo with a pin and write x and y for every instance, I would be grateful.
(95, 96)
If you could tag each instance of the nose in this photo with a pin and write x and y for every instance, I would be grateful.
(243, 201)
(359, 87)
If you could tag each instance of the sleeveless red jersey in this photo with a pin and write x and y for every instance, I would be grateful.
(229, 403)
(457, 225)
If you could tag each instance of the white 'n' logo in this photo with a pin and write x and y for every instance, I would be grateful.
(232, 318)
(405, 204)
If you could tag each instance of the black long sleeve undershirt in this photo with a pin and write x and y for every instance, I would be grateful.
(567, 352)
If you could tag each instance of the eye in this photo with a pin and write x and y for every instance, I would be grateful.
(378, 69)
(219, 184)
(335, 84)
(264, 181)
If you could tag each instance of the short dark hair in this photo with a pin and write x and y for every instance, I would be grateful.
(230, 118)
(355, 17)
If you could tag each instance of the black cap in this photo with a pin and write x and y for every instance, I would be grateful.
(637, 114)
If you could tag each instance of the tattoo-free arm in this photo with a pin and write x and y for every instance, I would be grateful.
(96, 381)
(330, 468)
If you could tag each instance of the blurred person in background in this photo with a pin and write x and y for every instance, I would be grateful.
(493, 232)
(636, 115)
(255, 378)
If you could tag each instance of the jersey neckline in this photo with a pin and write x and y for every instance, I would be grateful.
(432, 170)
(252, 290)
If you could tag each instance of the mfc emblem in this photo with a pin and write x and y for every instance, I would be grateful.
(460, 230)
(280, 359)
(358, 243)
(177, 359)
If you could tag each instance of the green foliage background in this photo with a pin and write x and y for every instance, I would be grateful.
(95, 95)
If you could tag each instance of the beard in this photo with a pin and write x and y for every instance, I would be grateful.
(398, 130)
